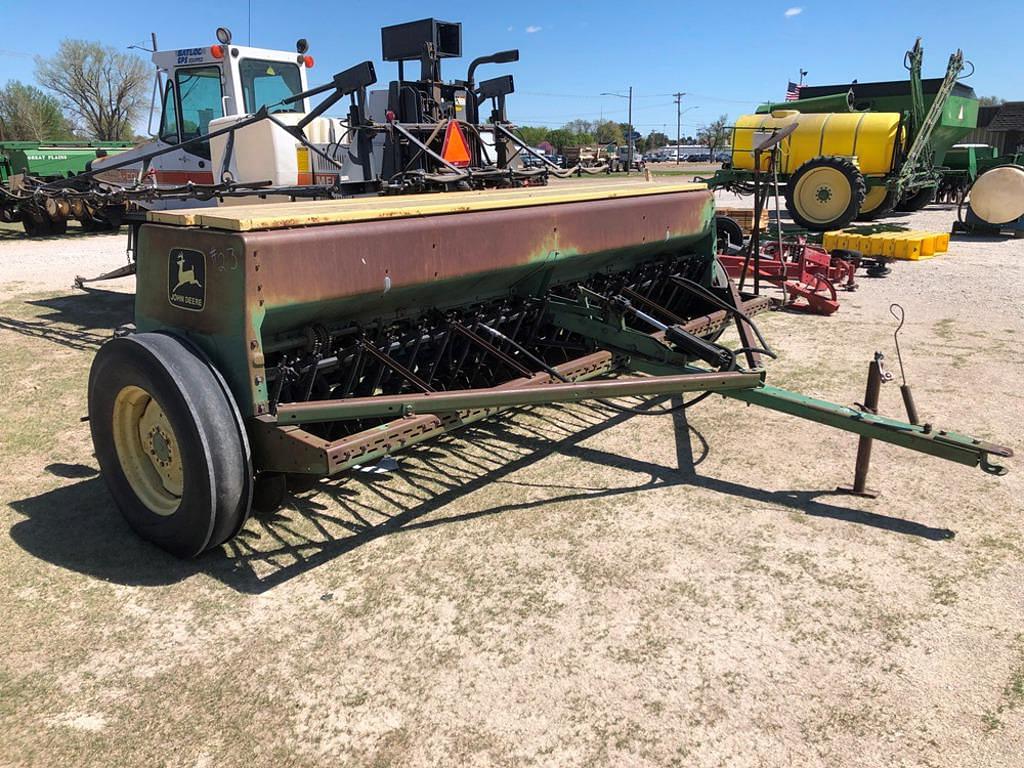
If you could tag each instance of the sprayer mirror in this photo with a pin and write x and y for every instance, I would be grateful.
(224, 35)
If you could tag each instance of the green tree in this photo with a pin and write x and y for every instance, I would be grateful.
(714, 135)
(105, 89)
(534, 135)
(562, 138)
(28, 114)
(609, 132)
(657, 139)
(640, 145)
(579, 126)
(581, 131)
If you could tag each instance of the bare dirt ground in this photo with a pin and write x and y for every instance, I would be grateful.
(557, 587)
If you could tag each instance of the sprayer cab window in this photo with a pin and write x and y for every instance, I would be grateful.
(266, 83)
(169, 118)
(200, 97)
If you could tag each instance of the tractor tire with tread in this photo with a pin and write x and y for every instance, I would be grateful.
(825, 193)
(915, 201)
(881, 209)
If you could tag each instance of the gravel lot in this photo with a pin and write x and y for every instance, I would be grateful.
(563, 587)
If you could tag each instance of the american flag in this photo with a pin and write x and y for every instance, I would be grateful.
(792, 91)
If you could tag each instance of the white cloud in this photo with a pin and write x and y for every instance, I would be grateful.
(794, 11)
(533, 28)
(511, 28)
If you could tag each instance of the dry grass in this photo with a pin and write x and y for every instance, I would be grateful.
(563, 587)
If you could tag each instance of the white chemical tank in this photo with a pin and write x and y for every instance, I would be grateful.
(264, 151)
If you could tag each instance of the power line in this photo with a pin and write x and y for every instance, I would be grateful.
(694, 96)
(558, 95)
(559, 123)
(548, 94)
(702, 97)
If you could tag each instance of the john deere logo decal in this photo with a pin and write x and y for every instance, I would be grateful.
(186, 279)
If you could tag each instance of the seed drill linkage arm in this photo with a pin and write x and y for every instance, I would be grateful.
(667, 350)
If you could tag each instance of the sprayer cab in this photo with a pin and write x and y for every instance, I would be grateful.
(194, 89)
(199, 85)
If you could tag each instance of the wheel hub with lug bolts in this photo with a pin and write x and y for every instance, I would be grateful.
(160, 447)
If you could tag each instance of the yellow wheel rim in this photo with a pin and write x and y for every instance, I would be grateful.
(874, 198)
(822, 195)
(147, 449)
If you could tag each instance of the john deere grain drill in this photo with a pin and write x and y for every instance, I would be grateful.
(297, 340)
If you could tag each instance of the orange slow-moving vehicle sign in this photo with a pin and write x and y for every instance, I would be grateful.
(456, 149)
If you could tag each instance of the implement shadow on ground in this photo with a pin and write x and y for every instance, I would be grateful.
(80, 320)
(16, 233)
(982, 236)
(78, 527)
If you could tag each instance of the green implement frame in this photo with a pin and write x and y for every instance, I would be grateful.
(666, 355)
(651, 352)
(918, 166)
(943, 444)
(52, 159)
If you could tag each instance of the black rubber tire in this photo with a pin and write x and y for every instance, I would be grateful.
(916, 200)
(58, 227)
(34, 227)
(846, 254)
(858, 189)
(91, 224)
(269, 492)
(728, 229)
(883, 210)
(300, 483)
(216, 459)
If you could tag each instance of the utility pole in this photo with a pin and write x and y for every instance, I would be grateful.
(629, 146)
(679, 123)
(629, 151)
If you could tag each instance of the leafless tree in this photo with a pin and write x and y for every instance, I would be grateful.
(105, 89)
(714, 135)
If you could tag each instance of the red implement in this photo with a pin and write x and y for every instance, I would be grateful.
(808, 273)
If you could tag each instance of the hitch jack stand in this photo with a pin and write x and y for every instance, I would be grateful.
(877, 375)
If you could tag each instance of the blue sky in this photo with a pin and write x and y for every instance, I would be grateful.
(726, 56)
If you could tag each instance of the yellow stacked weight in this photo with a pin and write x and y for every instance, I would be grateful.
(911, 246)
